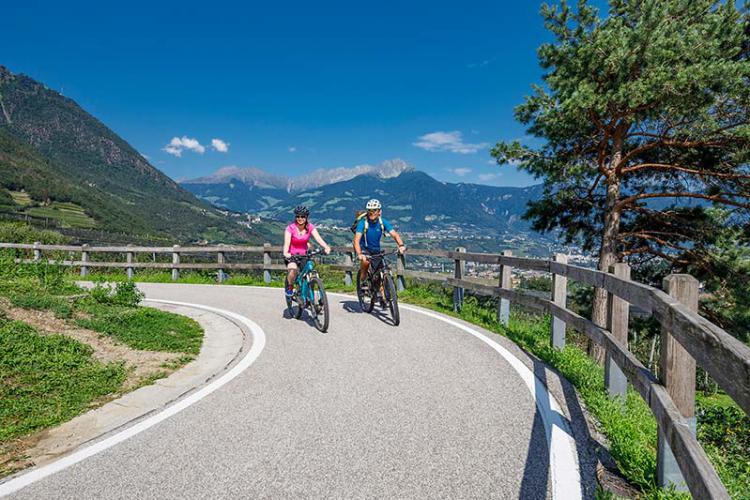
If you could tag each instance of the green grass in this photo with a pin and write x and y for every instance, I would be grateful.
(47, 379)
(190, 277)
(111, 312)
(143, 328)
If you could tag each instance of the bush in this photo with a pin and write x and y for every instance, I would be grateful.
(19, 232)
(124, 294)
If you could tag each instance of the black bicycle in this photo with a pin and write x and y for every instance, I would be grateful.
(308, 292)
(379, 286)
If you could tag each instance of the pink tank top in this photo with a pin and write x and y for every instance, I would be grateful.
(298, 245)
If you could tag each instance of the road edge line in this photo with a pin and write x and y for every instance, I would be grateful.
(259, 342)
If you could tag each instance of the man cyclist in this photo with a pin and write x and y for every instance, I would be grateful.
(367, 236)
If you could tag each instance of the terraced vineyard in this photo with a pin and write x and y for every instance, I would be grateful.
(68, 214)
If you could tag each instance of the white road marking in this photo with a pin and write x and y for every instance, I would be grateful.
(565, 471)
(259, 342)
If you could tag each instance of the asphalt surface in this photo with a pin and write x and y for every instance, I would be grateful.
(366, 410)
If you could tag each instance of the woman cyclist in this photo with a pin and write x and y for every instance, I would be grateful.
(297, 240)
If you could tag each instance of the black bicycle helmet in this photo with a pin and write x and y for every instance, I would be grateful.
(301, 211)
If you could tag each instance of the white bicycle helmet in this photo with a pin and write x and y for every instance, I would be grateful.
(373, 204)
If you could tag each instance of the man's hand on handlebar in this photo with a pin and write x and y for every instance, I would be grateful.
(402, 249)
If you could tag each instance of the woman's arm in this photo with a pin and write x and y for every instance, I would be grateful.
(321, 242)
(287, 243)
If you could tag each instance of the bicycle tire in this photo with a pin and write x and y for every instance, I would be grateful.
(364, 304)
(319, 304)
(391, 296)
(293, 305)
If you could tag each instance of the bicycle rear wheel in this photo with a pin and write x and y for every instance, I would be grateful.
(391, 296)
(365, 302)
(319, 304)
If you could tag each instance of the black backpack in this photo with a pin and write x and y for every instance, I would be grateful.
(357, 217)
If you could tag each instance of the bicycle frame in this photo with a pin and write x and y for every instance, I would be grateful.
(303, 279)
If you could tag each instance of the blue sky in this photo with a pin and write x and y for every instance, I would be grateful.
(291, 86)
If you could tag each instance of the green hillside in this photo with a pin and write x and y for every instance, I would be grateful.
(60, 164)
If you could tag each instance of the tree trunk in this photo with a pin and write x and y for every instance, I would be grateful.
(608, 250)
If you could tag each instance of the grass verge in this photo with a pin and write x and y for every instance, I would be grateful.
(144, 328)
(47, 379)
(723, 428)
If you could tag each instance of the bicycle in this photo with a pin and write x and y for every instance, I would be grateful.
(308, 292)
(380, 286)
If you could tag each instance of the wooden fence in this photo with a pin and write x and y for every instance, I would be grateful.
(686, 337)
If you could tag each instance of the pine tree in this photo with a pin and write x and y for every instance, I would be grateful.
(645, 121)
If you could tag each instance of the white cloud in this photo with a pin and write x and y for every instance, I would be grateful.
(461, 171)
(219, 145)
(489, 177)
(447, 141)
(292, 149)
(481, 64)
(177, 145)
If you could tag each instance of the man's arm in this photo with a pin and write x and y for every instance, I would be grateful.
(357, 247)
(397, 238)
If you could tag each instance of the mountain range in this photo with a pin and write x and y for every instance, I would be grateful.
(61, 165)
(412, 199)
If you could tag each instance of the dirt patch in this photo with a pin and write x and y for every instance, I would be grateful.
(140, 365)
(14, 454)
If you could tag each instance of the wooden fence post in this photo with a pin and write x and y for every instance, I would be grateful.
(221, 259)
(559, 297)
(84, 260)
(503, 305)
(266, 262)
(349, 262)
(618, 311)
(175, 260)
(459, 270)
(677, 373)
(400, 267)
(37, 251)
(129, 259)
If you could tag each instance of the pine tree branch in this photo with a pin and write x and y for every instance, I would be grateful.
(667, 166)
(717, 198)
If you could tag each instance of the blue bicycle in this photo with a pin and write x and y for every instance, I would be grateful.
(308, 292)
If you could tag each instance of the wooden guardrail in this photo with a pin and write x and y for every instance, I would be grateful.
(687, 338)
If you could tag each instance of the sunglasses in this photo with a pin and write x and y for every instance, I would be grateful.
(301, 216)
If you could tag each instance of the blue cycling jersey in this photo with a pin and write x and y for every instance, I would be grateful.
(371, 240)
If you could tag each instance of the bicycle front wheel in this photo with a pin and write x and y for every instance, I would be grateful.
(391, 296)
(292, 303)
(319, 304)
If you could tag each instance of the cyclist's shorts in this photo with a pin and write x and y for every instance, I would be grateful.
(300, 263)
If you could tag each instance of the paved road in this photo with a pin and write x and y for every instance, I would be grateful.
(366, 410)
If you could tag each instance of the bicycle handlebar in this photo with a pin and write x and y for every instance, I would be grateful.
(310, 253)
(381, 254)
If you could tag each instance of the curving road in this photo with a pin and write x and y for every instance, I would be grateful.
(366, 410)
